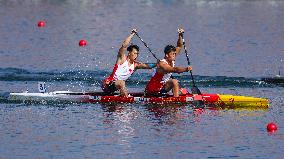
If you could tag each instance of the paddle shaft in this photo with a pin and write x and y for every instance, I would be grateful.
(146, 46)
(188, 62)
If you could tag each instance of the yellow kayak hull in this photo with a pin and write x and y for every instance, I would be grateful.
(233, 101)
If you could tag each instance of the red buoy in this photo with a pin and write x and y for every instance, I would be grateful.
(271, 127)
(41, 24)
(82, 43)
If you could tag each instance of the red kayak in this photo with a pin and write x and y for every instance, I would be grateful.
(99, 97)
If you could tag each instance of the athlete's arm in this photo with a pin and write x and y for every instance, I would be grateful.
(166, 68)
(179, 41)
(124, 45)
(145, 65)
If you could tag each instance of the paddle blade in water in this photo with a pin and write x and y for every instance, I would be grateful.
(199, 104)
(195, 90)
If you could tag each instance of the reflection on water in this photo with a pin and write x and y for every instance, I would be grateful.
(129, 128)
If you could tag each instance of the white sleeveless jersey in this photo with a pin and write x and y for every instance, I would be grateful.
(167, 76)
(123, 71)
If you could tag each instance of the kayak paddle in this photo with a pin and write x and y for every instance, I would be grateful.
(146, 46)
(194, 88)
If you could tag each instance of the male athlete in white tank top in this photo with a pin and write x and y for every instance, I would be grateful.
(124, 67)
(161, 81)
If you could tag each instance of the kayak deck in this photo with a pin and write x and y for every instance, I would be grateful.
(217, 100)
(242, 101)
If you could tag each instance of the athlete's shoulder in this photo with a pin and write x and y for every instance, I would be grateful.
(121, 60)
(163, 62)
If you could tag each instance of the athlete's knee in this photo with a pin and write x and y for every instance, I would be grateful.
(175, 82)
(120, 84)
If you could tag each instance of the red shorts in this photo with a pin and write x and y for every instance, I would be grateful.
(154, 88)
(108, 86)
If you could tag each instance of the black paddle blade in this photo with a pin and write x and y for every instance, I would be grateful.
(195, 90)
(199, 104)
(198, 100)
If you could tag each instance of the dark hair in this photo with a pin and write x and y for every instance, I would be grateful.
(130, 48)
(169, 48)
